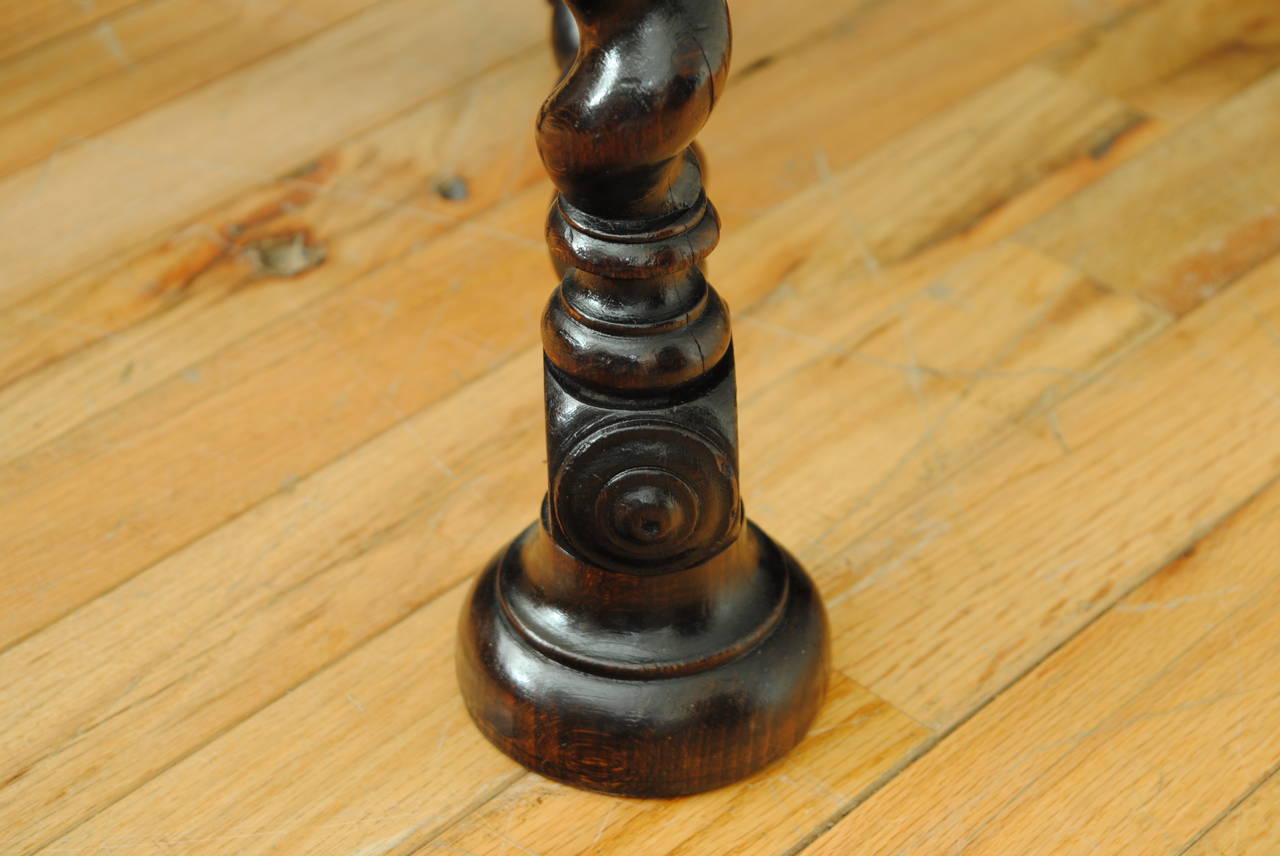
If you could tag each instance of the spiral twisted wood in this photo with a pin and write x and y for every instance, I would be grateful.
(642, 638)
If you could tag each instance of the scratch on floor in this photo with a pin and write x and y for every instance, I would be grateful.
(404, 419)
(836, 349)
(914, 371)
(904, 460)
(51, 320)
(1081, 736)
(817, 732)
(827, 180)
(511, 841)
(151, 842)
(47, 584)
(1060, 570)
(440, 845)
(1055, 427)
(814, 786)
(111, 40)
(1177, 601)
(444, 734)
(928, 533)
(391, 842)
(604, 823)
(276, 9)
(1266, 325)
(1238, 368)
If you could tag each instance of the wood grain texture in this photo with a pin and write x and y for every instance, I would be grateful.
(1149, 723)
(1073, 557)
(477, 132)
(1005, 297)
(1235, 224)
(368, 334)
(56, 96)
(26, 25)
(99, 196)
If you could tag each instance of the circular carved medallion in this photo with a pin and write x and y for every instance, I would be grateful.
(646, 496)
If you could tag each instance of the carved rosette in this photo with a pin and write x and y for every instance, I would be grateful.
(645, 495)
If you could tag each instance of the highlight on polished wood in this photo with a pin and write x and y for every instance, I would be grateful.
(642, 638)
(1007, 347)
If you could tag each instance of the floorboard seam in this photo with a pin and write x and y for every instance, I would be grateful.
(1170, 558)
(1229, 810)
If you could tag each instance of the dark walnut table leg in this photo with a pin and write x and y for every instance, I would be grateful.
(642, 637)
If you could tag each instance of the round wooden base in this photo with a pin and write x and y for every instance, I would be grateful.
(614, 700)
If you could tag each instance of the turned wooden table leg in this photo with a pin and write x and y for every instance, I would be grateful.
(642, 637)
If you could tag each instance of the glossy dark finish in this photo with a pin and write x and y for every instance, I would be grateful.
(642, 638)
(722, 674)
(564, 34)
(615, 133)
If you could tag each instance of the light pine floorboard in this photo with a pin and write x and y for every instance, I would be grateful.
(1006, 288)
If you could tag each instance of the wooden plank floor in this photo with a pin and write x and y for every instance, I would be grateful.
(1006, 287)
